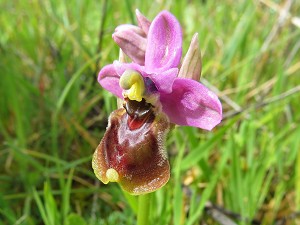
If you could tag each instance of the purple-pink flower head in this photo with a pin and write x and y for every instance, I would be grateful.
(185, 101)
(156, 91)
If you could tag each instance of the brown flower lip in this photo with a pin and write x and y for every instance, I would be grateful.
(132, 151)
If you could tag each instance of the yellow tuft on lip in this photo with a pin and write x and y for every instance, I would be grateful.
(133, 84)
(112, 175)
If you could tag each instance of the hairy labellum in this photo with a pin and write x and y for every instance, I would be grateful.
(132, 150)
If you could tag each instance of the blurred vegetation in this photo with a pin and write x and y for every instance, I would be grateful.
(54, 113)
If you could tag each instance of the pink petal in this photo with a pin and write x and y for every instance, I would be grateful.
(135, 29)
(192, 104)
(164, 81)
(132, 40)
(121, 67)
(164, 47)
(143, 22)
(109, 79)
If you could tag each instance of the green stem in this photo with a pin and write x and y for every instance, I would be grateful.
(144, 208)
(298, 181)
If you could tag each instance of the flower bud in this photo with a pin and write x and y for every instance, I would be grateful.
(191, 65)
(132, 40)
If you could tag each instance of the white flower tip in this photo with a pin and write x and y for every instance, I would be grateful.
(195, 41)
(137, 12)
(122, 56)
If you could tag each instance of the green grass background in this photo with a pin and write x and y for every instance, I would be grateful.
(54, 113)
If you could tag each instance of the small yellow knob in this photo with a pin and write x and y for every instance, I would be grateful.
(112, 175)
(133, 84)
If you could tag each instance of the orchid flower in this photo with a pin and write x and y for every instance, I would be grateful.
(156, 92)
